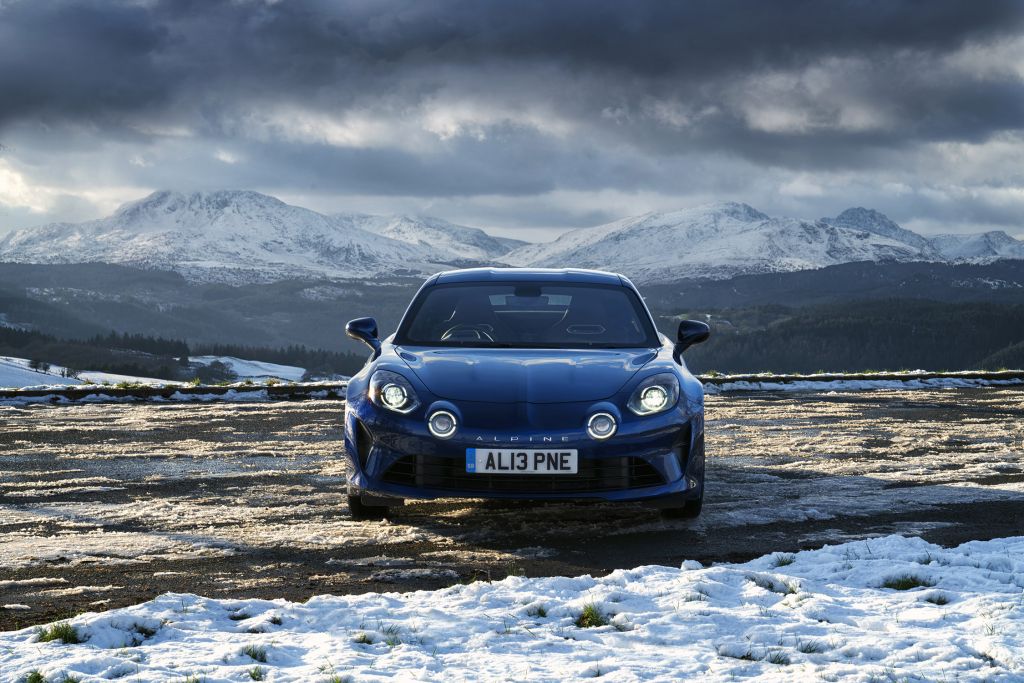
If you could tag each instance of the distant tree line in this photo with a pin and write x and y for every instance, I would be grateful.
(887, 334)
(872, 335)
(76, 355)
(138, 354)
(157, 346)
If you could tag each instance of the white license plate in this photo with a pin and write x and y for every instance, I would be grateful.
(521, 461)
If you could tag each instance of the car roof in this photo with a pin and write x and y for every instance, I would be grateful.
(529, 275)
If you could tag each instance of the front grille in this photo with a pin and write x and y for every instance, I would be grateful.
(604, 474)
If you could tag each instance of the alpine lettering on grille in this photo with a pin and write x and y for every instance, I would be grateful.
(527, 439)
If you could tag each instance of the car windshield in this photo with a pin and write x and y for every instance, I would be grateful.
(528, 315)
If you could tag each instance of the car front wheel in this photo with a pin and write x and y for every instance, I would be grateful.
(689, 510)
(362, 511)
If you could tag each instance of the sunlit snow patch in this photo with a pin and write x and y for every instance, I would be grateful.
(891, 608)
(897, 381)
(253, 369)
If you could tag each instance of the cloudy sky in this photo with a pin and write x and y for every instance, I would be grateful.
(525, 116)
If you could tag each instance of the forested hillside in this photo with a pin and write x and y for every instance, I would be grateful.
(119, 354)
(890, 334)
(850, 317)
(140, 355)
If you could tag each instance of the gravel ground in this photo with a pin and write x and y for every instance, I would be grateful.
(107, 505)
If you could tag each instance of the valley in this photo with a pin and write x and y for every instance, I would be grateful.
(243, 269)
(849, 317)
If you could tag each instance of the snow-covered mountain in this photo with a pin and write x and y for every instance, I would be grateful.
(979, 247)
(458, 241)
(239, 236)
(713, 241)
(859, 218)
(721, 240)
(982, 247)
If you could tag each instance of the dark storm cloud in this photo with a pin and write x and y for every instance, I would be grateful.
(79, 60)
(553, 96)
(84, 59)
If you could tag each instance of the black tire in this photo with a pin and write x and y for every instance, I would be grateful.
(360, 511)
(690, 510)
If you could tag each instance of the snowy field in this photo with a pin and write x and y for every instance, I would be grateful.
(253, 369)
(918, 379)
(254, 374)
(16, 373)
(247, 499)
(106, 506)
(887, 609)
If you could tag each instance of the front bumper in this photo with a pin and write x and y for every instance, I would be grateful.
(657, 460)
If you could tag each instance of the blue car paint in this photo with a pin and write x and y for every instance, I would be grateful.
(541, 398)
(518, 375)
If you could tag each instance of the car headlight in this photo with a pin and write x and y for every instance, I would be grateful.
(655, 394)
(392, 391)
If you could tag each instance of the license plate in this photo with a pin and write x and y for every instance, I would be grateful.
(521, 461)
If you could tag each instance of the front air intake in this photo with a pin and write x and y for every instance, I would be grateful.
(605, 474)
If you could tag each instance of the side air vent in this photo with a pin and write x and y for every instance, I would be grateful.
(682, 447)
(364, 442)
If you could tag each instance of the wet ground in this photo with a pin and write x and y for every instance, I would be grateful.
(107, 505)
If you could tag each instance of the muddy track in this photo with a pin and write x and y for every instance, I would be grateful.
(108, 505)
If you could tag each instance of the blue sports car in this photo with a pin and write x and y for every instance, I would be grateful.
(527, 384)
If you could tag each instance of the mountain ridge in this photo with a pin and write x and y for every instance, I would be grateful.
(241, 236)
(230, 236)
(725, 239)
(860, 218)
(435, 233)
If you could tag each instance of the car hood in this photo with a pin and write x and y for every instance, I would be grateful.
(531, 375)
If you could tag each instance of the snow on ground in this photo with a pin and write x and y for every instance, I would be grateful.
(253, 369)
(15, 372)
(238, 392)
(965, 380)
(269, 521)
(70, 549)
(887, 609)
(244, 390)
(87, 536)
(96, 377)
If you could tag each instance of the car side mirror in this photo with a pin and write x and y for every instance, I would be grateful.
(690, 332)
(364, 330)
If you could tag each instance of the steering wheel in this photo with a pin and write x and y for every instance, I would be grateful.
(469, 331)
